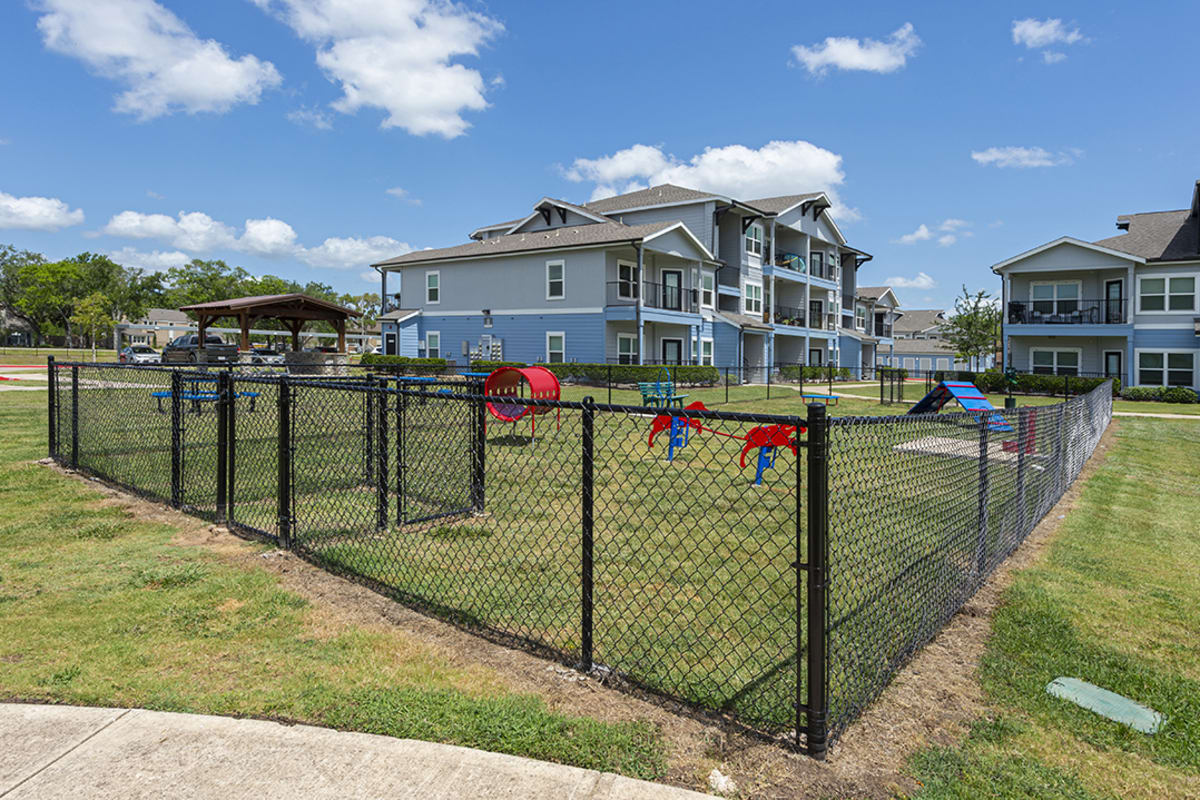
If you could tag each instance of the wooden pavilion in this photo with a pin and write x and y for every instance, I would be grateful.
(293, 310)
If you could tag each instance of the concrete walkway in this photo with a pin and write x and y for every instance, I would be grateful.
(68, 751)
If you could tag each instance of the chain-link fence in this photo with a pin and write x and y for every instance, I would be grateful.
(686, 552)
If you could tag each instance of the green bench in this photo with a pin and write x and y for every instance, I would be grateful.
(660, 394)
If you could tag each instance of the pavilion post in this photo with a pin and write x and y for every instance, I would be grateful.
(244, 321)
(340, 325)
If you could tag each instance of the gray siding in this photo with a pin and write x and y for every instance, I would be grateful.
(538, 223)
(697, 216)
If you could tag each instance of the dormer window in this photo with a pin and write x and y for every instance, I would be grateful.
(754, 240)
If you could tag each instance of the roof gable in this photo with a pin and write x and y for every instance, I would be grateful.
(1072, 242)
(665, 194)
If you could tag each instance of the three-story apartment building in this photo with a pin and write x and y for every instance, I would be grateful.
(1126, 306)
(662, 275)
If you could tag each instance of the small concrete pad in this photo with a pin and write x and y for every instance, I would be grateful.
(32, 737)
(152, 754)
(1107, 704)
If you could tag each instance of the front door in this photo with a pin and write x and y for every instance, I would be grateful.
(672, 290)
(1114, 302)
(1112, 364)
(389, 344)
(816, 357)
(672, 351)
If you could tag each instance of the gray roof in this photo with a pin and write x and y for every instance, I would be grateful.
(918, 346)
(775, 205)
(399, 313)
(551, 239)
(1159, 236)
(875, 292)
(918, 319)
(570, 206)
(654, 196)
(166, 315)
(744, 320)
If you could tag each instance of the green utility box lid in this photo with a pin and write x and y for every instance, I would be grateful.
(1107, 704)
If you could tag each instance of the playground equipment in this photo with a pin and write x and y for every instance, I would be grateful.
(968, 396)
(767, 438)
(506, 385)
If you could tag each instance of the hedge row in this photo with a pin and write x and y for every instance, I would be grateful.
(795, 372)
(997, 382)
(689, 374)
(1162, 394)
(484, 366)
(427, 365)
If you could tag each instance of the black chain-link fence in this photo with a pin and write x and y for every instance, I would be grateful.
(682, 552)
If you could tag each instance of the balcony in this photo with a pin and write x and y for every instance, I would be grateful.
(792, 262)
(786, 315)
(882, 330)
(662, 296)
(1069, 312)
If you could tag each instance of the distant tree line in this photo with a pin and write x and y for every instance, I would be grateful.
(82, 298)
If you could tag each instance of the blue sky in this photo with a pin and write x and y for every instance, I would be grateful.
(269, 132)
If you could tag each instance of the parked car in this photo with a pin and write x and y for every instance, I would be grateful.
(138, 354)
(265, 355)
(186, 348)
(376, 350)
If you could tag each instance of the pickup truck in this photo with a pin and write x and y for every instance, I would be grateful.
(185, 350)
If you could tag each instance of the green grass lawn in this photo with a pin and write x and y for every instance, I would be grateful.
(99, 608)
(1114, 602)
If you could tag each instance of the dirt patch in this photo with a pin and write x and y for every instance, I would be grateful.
(931, 701)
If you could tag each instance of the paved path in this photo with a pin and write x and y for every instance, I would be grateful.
(68, 751)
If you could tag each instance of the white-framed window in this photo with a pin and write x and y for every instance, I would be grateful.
(433, 344)
(1166, 367)
(706, 352)
(556, 347)
(1166, 294)
(1063, 361)
(1055, 297)
(708, 288)
(816, 261)
(433, 287)
(626, 280)
(754, 240)
(627, 348)
(860, 317)
(556, 279)
(753, 295)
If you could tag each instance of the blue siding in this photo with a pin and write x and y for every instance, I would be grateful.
(850, 352)
(725, 341)
(523, 335)
(1183, 338)
(408, 337)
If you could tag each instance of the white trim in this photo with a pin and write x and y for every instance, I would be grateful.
(746, 297)
(712, 355)
(662, 340)
(562, 265)
(517, 312)
(1054, 300)
(687, 232)
(633, 351)
(407, 316)
(712, 303)
(421, 262)
(1078, 351)
(580, 210)
(1165, 326)
(496, 227)
(1165, 351)
(438, 334)
(564, 346)
(1121, 373)
(747, 239)
(633, 281)
(997, 267)
(438, 288)
(631, 209)
(1166, 278)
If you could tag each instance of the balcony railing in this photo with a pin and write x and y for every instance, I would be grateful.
(654, 295)
(792, 261)
(883, 331)
(786, 315)
(1068, 312)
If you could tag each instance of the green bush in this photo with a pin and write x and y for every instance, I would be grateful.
(423, 365)
(794, 372)
(1162, 394)
(997, 382)
(481, 366)
(683, 374)
(1142, 393)
(1179, 394)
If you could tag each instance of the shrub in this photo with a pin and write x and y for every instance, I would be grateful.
(481, 366)
(688, 374)
(423, 365)
(1142, 393)
(1180, 394)
(794, 372)
(997, 382)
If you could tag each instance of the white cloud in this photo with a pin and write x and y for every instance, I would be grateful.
(868, 55)
(1036, 33)
(153, 194)
(37, 213)
(1053, 56)
(921, 234)
(779, 167)
(321, 120)
(398, 56)
(947, 240)
(921, 281)
(146, 47)
(1024, 157)
(953, 224)
(403, 194)
(268, 237)
(156, 261)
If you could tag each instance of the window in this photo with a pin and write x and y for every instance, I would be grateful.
(1167, 294)
(556, 347)
(433, 287)
(626, 280)
(707, 288)
(754, 240)
(555, 280)
(817, 263)
(1055, 298)
(860, 317)
(754, 298)
(1165, 368)
(627, 349)
(1055, 362)
(433, 344)
(706, 352)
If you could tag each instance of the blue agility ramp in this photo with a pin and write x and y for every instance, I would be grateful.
(968, 396)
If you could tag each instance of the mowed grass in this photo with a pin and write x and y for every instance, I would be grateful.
(99, 608)
(1113, 602)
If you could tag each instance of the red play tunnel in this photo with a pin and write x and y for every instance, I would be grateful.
(504, 384)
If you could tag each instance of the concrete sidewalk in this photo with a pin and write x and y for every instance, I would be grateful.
(68, 751)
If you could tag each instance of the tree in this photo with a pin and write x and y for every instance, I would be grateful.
(49, 292)
(92, 315)
(972, 329)
(13, 284)
(205, 281)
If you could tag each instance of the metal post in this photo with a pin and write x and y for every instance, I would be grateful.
(479, 474)
(379, 397)
(369, 411)
(881, 375)
(176, 438)
(401, 408)
(586, 497)
(817, 706)
(74, 417)
(982, 509)
(1062, 451)
(223, 401)
(727, 385)
(231, 448)
(1022, 444)
(51, 409)
(285, 463)
(610, 384)
(768, 369)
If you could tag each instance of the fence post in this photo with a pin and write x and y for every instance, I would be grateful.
(1022, 443)
(880, 387)
(1066, 386)
(285, 463)
(1062, 451)
(817, 545)
(401, 409)
(610, 384)
(831, 378)
(768, 369)
(231, 448)
(479, 473)
(369, 411)
(727, 385)
(223, 401)
(981, 540)
(379, 397)
(586, 556)
(74, 417)
(176, 438)
(51, 409)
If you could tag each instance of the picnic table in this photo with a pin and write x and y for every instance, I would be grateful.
(198, 394)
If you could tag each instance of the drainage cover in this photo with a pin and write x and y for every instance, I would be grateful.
(1106, 704)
